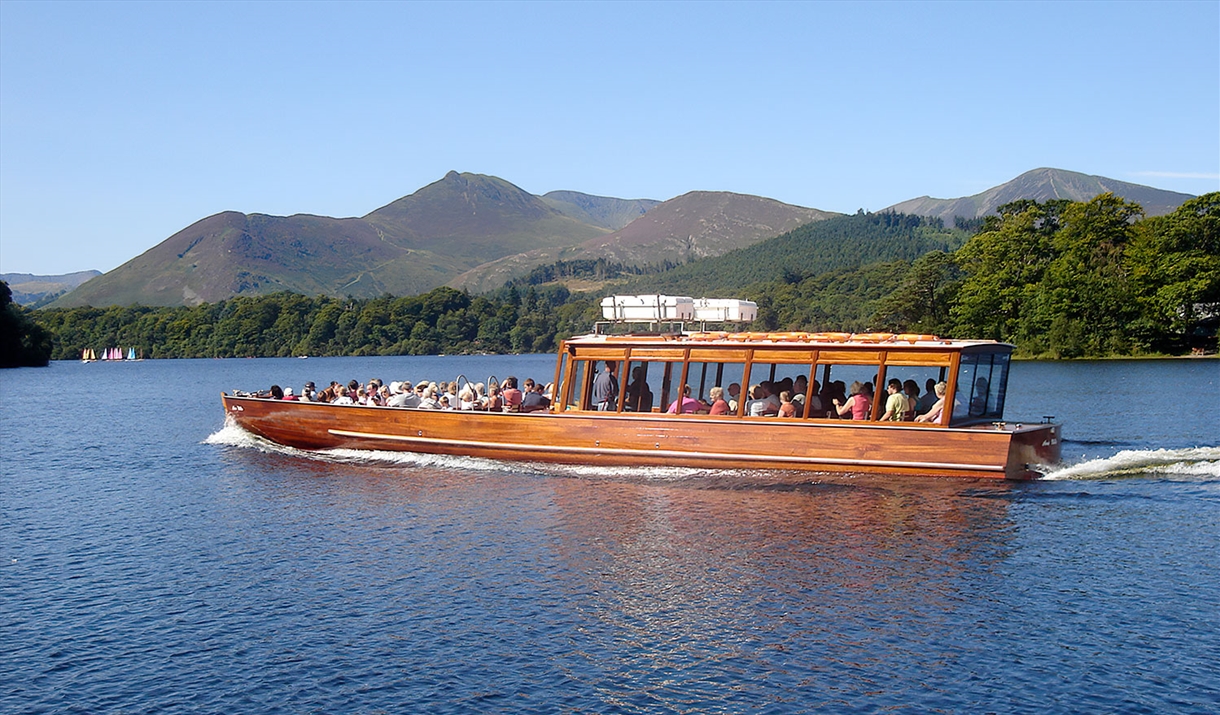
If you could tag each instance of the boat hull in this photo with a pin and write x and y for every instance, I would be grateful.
(1003, 451)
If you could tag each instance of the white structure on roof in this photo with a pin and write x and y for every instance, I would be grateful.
(659, 308)
(647, 308)
(725, 310)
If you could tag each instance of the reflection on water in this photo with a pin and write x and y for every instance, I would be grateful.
(154, 560)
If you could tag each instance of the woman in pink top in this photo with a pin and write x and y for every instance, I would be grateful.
(858, 404)
(686, 404)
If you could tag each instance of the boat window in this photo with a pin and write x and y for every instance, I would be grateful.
(639, 393)
(664, 377)
(982, 381)
(782, 376)
(925, 377)
(578, 378)
(703, 376)
(658, 388)
(835, 381)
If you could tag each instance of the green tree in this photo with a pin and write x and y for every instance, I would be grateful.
(1086, 297)
(1174, 266)
(922, 302)
(1004, 267)
(23, 343)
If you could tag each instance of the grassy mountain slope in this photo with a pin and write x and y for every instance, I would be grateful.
(604, 211)
(699, 224)
(410, 246)
(237, 254)
(476, 219)
(837, 243)
(1042, 185)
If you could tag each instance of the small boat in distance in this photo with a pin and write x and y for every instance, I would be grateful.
(661, 415)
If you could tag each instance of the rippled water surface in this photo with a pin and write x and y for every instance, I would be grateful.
(154, 560)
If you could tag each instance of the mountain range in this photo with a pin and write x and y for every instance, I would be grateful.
(1042, 185)
(474, 232)
(28, 288)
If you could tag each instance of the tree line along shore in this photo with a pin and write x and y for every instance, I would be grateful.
(1059, 279)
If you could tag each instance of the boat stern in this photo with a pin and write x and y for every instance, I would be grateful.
(1033, 450)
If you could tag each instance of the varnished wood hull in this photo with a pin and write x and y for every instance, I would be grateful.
(1009, 452)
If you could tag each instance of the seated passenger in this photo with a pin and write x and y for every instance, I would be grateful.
(928, 399)
(910, 388)
(799, 387)
(786, 408)
(275, 393)
(734, 396)
(978, 403)
(719, 405)
(429, 400)
(771, 395)
(639, 395)
(757, 405)
(686, 404)
(896, 405)
(938, 408)
(495, 402)
(400, 394)
(535, 400)
(816, 406)
(288, 394)
(466, 399)
(342, 396)
(310, 393)
(858, 405)
(512, 396)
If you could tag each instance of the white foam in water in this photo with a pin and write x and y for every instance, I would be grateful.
(1195, 462)
(231, 435)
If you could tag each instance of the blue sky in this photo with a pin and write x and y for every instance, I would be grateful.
(122, 123)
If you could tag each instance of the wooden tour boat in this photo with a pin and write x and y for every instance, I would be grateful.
(970, 439)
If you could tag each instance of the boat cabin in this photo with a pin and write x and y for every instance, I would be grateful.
(652, 368)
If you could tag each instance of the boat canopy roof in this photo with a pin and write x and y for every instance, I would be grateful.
(796, 340)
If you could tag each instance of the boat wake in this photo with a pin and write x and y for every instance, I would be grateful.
(231, 435)
(1192, 463)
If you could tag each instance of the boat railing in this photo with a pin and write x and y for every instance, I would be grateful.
(639, 327)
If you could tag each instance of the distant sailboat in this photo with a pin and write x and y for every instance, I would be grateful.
(87, 355)
(131, 353)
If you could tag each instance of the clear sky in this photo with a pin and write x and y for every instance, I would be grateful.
(123, 123)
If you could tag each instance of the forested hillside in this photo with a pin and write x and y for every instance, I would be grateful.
(1058, 279)
(810, 250)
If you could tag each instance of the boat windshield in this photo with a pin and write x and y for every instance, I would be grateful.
(982, 380)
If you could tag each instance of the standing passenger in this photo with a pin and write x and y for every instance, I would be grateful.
(605, 388)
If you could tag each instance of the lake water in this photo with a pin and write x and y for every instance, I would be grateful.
(154, 561)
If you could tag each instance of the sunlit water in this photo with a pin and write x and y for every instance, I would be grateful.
(156, 560)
